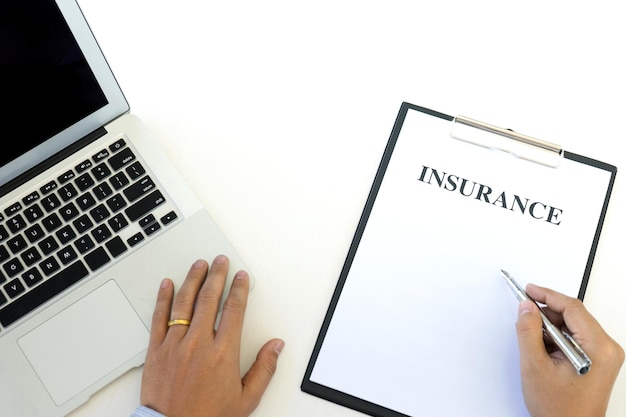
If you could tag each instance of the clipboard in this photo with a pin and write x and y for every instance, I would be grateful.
(420, 324)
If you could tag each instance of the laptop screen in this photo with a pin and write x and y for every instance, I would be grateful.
(56, 86)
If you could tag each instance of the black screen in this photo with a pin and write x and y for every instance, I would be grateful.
(46, 84)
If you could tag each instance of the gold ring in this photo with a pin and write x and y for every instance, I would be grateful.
(178, 321)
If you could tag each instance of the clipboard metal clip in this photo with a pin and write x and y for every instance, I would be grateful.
(506, 140)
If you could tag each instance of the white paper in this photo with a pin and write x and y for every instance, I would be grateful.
(425, 325)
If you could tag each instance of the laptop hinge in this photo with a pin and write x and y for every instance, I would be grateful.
(54, 159)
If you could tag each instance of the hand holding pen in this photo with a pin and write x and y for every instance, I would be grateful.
(550, 384)
(559, 336)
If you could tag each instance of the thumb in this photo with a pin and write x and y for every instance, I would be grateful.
(256, 380)
(530, 336)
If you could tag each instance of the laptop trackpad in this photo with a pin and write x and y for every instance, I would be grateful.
(73, 349)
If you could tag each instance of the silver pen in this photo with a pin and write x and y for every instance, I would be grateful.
(564, 341)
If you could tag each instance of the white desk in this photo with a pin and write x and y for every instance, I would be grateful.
(277, 112)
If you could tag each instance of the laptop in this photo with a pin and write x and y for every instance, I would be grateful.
(92, 216)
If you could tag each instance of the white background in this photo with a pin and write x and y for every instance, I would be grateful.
(277, 113)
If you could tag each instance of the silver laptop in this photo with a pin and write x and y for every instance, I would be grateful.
(92, 216)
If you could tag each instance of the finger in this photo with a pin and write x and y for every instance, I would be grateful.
(256, 380)
(161, 313)
(538, 294)
(532, 349)
(233, 311)
(183, 306)
(575, 315)
(208, 302)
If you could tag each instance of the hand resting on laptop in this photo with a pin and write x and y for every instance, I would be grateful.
(192, 370)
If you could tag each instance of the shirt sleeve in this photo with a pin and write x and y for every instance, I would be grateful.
(143, 411)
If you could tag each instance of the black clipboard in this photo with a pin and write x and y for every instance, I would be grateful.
(552, 154)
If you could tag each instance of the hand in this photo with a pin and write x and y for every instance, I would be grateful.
(550, 384)
(193, 371)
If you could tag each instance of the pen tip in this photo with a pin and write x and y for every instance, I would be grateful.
(506, 274)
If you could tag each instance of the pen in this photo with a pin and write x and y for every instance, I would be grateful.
(564, 341)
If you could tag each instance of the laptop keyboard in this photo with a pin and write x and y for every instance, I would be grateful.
(75, 225)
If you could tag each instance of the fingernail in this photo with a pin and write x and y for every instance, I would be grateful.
(525, 307)
(200, 263)
(279, 346)
(165, 283)
(241, 275)
(220, 259)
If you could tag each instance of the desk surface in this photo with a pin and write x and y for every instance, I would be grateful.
(278, 112)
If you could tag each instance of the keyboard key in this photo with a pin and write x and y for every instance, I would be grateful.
(48, 245)
(42, 293)
(135, 170)
(145, 205)
(3, 299)
(30, 198)
(14, 266)
(66, 177)
(85, 201)
(16, 223)
(3, 233)
(101, 171)
(17, 244)
(117, 145)
(52, 185)
(4, 254)
(116, 203)
(99, 213)
(101, 233)
(135, 239)
(49, 266)
(67, 255)
(84, 244)
(30, 256)
(119, 180)
(65, 234)
(154, 227)
(12, 209)
(100, 156)
(97, 258)
(83, 166)
(168, 218)
(84, 181)
(118, 222)
(146, 221)
(34, 233)
(14, 288)
(67, 192)
(50, 203)
(32, 277)
(69, 211)
(83, 223)
(121, 158)
(33, 213)
(116, 246)
(51, 222)
(139, 188)
(102, 191)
